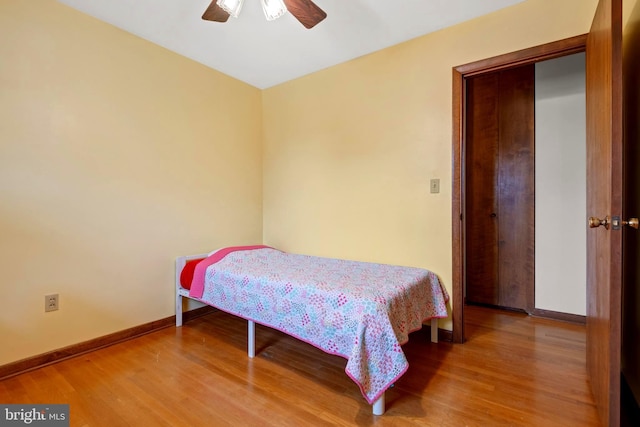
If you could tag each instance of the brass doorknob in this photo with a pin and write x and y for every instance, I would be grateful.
(596, 222)
(616, 222)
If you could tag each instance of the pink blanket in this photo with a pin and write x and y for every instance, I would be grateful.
(361, 311)
(197, 285)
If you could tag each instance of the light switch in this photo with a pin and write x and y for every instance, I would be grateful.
(435, 185)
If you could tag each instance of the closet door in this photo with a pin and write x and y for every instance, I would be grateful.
(516, 183)
(481, 182)
(499, 189)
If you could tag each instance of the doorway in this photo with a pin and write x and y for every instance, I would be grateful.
(524, 177)
(460, 75)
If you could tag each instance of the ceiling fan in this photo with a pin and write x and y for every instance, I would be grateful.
(305, 11)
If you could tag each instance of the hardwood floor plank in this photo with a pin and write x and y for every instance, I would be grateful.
(514, 370)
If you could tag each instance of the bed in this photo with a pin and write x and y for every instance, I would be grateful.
(361, 311)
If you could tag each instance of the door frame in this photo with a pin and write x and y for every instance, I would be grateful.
(535, 54)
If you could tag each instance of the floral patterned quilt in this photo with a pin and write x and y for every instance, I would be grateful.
(360, 311)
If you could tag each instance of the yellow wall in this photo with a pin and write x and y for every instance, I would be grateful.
(630, 12)
(349, 151)
(116, 156)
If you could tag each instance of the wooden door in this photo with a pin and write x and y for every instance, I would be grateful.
(499, 181)
(604, 200)
(631, 238)
(481, 204)
(516, 186)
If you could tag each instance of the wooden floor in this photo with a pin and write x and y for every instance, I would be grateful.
(514, 370)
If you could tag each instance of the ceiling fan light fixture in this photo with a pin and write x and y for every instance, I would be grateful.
(232, 7)
(305, 11)
(273, 9)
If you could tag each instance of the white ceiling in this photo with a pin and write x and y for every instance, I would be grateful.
(264, 54)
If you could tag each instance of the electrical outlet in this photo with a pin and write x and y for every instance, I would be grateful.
(51, 302)
(435, 185)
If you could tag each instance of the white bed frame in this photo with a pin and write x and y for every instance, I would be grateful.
(378, 406)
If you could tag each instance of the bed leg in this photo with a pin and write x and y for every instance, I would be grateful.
(378, 406)
(180, 263)
(251, 339)
(178, 310)
(434, 330)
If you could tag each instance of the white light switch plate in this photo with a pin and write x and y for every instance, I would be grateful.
(435, 185)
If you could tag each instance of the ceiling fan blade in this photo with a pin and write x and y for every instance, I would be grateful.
(305, 11)
(215, 13)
